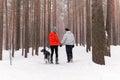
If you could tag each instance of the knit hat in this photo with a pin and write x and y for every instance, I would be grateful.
(67, 29)
(54, 29)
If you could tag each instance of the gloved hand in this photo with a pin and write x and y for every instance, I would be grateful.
(73, 46)
(60, 45)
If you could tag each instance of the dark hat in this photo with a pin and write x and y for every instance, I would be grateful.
(67, 29)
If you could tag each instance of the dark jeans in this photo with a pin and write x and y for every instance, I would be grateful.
(54, 48)
(69, 52)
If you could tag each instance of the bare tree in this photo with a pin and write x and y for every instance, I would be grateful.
(18, 6)
(98, 33)
(49, 19)
(26, 5)
(110, 8)
(88, 26)
(12, 25)
(75, 20)
(1, 28)
(114, 28)
(37, 25)
(22, 27)
(54, 12)
(7, 28)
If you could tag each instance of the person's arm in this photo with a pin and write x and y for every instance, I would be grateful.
(63, 39)
(73, 39)
(57, 39)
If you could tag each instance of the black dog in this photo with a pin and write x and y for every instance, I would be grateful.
(46, 55)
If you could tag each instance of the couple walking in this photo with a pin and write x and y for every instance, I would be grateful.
(68, 40)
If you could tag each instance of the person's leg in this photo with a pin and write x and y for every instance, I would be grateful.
(56, 52)
(71, 54)
(68, 52)
(52, 51)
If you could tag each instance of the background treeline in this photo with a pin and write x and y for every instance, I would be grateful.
(27, 23)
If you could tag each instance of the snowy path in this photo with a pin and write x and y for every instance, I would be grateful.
(82, 68)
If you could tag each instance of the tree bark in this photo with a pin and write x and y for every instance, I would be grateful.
(26, 3)
(98, 33)
(18, 6)
(88, 26)
(1, 28)
(110, 5)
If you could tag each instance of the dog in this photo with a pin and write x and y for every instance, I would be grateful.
(46, 55)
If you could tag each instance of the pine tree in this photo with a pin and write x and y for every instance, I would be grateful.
(26, 4)
(18, 6)
(1, 28)
(98, 33)
(88, 26)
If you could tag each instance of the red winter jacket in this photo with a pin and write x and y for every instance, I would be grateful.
(53, 39)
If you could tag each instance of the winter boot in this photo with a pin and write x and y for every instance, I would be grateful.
(57, 61)
(51, 61)
(71, 60)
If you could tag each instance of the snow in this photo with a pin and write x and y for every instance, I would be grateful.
(82, 68)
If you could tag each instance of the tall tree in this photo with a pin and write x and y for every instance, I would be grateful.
(44, 24)
(82, 25)
(49, 19)
(54, 12)
(23, 27)
(114, 28)
(75, 20)
(13, 22)
(1, 28)
(18, 7)
(98, 33)
(88, 26)
(110, 9)
(68, 12)
(26, 5)
(37, 25)
(7, 29)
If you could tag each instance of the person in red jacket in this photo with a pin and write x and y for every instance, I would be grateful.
(54, 43)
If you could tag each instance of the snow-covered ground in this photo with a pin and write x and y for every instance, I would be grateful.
(82, 68)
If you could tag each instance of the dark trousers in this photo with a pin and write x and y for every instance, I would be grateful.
(54, 48)
(69, 52)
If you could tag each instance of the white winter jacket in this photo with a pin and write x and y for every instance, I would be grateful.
(68, 38)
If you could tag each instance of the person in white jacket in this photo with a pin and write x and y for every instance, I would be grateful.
(69, 41)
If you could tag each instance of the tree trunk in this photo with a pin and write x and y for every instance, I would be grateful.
(37, 25)
(18, 6)
(49, 20)
(88, 26)
(54, 12)
(98, 33)
(13, 28)
(1, 28)
(26, 4)
(44, 24)
(75, 20)
(7, 29)
(110, 5)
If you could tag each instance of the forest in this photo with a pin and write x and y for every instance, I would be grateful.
(26, 24)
